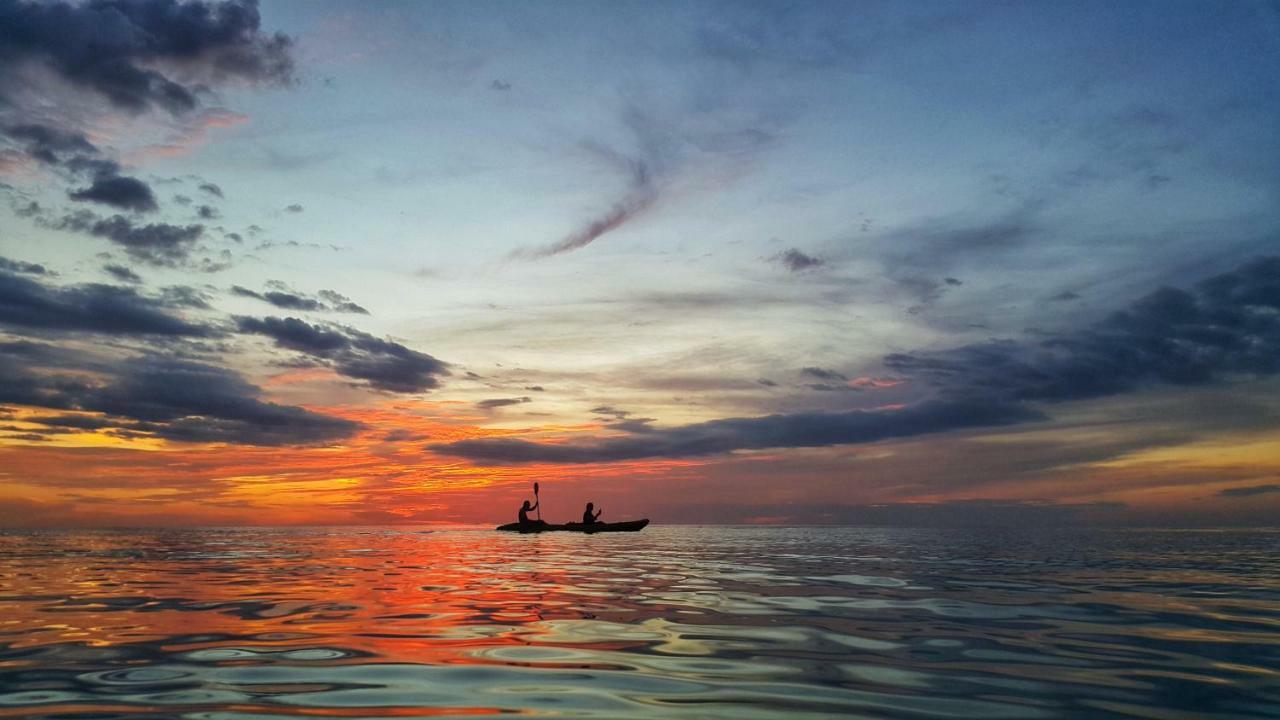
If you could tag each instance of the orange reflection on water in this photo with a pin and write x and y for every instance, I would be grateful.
(423, 597)
(722, 622)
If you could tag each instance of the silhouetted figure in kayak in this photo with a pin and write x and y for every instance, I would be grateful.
(525, 509)
(588, 518)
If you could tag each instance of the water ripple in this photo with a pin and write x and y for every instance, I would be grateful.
(677, 622)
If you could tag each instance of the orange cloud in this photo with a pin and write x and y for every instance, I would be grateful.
(383, 474)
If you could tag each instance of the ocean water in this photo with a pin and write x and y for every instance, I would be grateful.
(673, 622)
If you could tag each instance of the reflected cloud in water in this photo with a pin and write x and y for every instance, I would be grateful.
(675, 622)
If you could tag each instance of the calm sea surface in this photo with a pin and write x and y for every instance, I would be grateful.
(673, 622)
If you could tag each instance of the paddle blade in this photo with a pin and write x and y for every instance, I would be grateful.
(535, 488)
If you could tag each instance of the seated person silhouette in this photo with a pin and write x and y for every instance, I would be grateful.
(588, 518)
(525, 509)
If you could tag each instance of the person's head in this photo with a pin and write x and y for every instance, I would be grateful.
(525, 506)
(589, 506)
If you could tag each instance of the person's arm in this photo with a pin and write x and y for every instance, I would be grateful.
(598, 513)
(535, 505)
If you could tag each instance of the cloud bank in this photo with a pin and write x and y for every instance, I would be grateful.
(1227, 325)
(144, 54)
(162, 396)
(92, 307)
(140, 56)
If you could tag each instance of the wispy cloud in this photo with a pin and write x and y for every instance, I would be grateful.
(502, 402)
(281, 296)
(643, 168)
(1249, 491)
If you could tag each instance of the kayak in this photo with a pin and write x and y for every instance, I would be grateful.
(627, 526)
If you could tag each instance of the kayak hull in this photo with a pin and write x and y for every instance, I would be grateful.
(628, 526)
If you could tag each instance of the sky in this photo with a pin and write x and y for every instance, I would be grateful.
(865, 262)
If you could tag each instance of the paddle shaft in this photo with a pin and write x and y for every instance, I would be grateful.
(537, 501)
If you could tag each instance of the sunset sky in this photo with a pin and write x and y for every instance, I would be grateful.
(911, 263)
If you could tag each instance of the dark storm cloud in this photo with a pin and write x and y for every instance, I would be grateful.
(202, 403)
(166, 397)
(118, 191)
(122, 273)
(726, 435)
(502, 402)
(159, 244)
(796, 261)
(383, 364)
(1228, 324)
(106, 309)
(294, 208)
(1249, 491)
(71, 152)
(141, 54)
(18, 266)
(207, 212)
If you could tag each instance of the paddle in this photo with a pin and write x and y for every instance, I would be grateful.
(536, 502)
